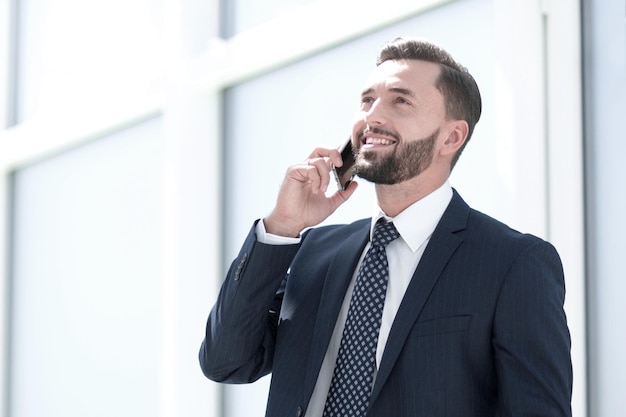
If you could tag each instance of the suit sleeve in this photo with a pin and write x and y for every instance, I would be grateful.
(241, 328)
(531, 337)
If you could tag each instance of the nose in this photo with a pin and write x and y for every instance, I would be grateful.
(375, 115)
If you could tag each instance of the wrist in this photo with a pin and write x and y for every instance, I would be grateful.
(281, 227)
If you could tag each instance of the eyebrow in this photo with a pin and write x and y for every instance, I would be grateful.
(399, 90)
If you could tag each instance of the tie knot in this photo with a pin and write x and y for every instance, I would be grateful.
(384, 233)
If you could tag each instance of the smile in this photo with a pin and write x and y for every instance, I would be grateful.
(377, 141)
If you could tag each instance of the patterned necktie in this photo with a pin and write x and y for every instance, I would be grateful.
(353, 377)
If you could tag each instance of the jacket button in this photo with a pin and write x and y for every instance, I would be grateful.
(299, 412)
(242, 262)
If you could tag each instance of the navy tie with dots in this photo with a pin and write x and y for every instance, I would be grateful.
(353, 377)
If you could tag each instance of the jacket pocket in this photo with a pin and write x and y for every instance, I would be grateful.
(440, 326)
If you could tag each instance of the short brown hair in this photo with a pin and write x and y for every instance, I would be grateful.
(458, 87)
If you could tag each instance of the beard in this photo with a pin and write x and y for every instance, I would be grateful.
(408, 160)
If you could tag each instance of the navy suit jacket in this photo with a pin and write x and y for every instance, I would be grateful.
(480, 332)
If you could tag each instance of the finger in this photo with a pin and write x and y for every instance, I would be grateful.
(323, 163)
(307, 175)
(322, 166)
(341, 197)
(331, 154)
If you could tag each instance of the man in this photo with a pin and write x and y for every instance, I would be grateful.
(457, 316)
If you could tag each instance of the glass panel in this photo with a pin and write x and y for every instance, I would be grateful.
(605, 106)
(86, 287)
(241, 15)
(277, 119)
(75, 54)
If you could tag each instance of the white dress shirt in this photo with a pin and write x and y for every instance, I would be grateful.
(415, 225)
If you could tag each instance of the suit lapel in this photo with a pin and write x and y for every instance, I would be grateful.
(340, 272)
(441, 247)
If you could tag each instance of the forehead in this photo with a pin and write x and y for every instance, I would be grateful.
(413, 74)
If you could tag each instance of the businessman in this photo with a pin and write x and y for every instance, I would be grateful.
(427, 309)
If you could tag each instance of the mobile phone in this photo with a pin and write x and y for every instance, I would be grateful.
(345, 173)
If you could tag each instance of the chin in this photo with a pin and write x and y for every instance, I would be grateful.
(368, 156)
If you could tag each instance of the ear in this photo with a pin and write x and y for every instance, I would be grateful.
(457, 134)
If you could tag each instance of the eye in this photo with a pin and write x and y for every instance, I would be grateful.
(367, 102)
(402, 100)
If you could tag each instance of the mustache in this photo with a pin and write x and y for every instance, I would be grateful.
(379, 131)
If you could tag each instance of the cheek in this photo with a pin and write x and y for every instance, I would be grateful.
(358, 125)
(417, 128)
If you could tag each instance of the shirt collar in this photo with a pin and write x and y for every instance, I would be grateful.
(418, 221)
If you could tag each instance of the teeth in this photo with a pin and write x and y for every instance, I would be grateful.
(378, 141)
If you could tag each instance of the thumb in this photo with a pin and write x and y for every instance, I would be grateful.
(341, 197)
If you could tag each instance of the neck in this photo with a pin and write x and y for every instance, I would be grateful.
(394, 199)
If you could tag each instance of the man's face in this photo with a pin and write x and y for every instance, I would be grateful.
(396, 130)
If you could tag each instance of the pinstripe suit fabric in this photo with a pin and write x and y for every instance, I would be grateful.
(480, 332)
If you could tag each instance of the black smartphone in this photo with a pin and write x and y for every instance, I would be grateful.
(345, 173)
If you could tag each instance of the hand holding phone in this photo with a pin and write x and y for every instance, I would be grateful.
(345, 173)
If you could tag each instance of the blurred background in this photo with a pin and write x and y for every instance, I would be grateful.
(141, 138)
